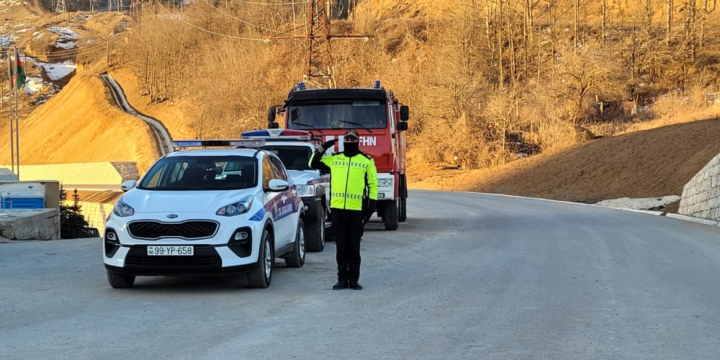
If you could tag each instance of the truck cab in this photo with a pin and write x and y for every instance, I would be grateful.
(379, 119)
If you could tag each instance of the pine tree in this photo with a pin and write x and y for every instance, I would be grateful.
(72, 222)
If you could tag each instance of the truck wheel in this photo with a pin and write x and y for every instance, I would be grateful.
(316, 232)
(261, 277)
(391, 215)
(403, 210)
(118, 281)
(296, 259)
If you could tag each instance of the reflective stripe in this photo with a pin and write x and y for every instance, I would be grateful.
(348, 176)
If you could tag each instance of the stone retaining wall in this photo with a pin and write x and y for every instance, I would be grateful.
(701, 195)
(40, 224)
(95, 214)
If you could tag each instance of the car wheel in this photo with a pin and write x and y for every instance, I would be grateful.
(390, 218)
(316, 232)
(296, 259)
(261, 277)
(119, 281)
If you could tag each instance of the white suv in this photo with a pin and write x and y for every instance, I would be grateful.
(209, 211)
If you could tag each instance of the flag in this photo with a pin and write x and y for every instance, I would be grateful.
(20, 74)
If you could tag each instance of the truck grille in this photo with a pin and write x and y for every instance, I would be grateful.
(190, 230)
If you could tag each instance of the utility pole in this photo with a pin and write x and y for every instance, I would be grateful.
(10, 113)
(320, 61)
(17, 115)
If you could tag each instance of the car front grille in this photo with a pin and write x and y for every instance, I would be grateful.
(172, 261)
(189, 230)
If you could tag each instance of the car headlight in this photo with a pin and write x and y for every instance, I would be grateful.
(385, 182)
(122, 209)
(237, 208)
(306, 190)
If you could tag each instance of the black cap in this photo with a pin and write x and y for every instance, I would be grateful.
(351, 136)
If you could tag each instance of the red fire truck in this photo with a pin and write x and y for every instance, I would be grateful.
(377, 116)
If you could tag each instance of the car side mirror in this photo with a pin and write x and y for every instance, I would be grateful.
(402, 126)
(278, 185)
(128, 185)
(404, 113)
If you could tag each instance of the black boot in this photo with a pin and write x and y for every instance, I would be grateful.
(354, 285)
(341, 284)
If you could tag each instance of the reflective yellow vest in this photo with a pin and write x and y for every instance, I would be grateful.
(348, 177)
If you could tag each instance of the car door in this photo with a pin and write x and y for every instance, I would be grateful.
(288, 202)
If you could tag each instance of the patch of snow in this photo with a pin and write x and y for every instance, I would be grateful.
(82, 17)
(65, 44)
(33, 85)
(5, 40)
(58, 71)
(65, 32)
(640, 203)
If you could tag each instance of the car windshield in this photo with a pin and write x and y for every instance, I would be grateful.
(294, 157)
(201, 173)
(343, 114)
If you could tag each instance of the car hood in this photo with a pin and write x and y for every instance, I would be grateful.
(302, 177)
(156, 201)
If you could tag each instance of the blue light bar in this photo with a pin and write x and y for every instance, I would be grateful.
(300, 86)
(255, 133)
(377, 84)
(179, 144)
(187, 143)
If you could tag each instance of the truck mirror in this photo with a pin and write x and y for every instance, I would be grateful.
(271, 114)
(402, 126)
(404, 113)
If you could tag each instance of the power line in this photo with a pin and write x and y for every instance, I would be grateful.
(240, 20)
(266, 40)
(272, 4)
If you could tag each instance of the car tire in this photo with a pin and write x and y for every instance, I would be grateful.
(390, 218)
(403, 210)
(316, 232)
(296, 259)
(119, 281)
(261, 277)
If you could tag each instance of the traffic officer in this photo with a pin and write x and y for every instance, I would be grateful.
(350, 173)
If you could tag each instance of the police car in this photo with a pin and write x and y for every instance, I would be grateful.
(295, 148)
(207, 211)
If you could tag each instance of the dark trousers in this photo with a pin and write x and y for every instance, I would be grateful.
(347, 227)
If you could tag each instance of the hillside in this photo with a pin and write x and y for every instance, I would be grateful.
(647, 163)
(80, 124)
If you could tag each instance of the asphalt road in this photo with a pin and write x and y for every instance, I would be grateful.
(468, 276)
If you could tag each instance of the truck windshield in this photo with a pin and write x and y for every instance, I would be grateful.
(340, 114)
(293, 157)
(201, 173)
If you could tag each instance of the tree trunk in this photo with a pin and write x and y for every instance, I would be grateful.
(577, 15)
(668, 30)
(604, 21)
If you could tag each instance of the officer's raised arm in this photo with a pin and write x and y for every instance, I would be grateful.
(317, 161)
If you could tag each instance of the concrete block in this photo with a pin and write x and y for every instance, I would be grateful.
(29, 224)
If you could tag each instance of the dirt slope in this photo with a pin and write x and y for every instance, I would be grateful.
(640, 164)
(80, 124)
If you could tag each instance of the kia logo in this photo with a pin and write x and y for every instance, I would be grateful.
(172, 216)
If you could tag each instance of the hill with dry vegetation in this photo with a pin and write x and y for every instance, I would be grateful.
(488, 82)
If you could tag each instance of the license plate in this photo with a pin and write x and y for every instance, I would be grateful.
(170, 251)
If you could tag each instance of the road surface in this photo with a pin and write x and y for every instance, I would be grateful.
(469, 276)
